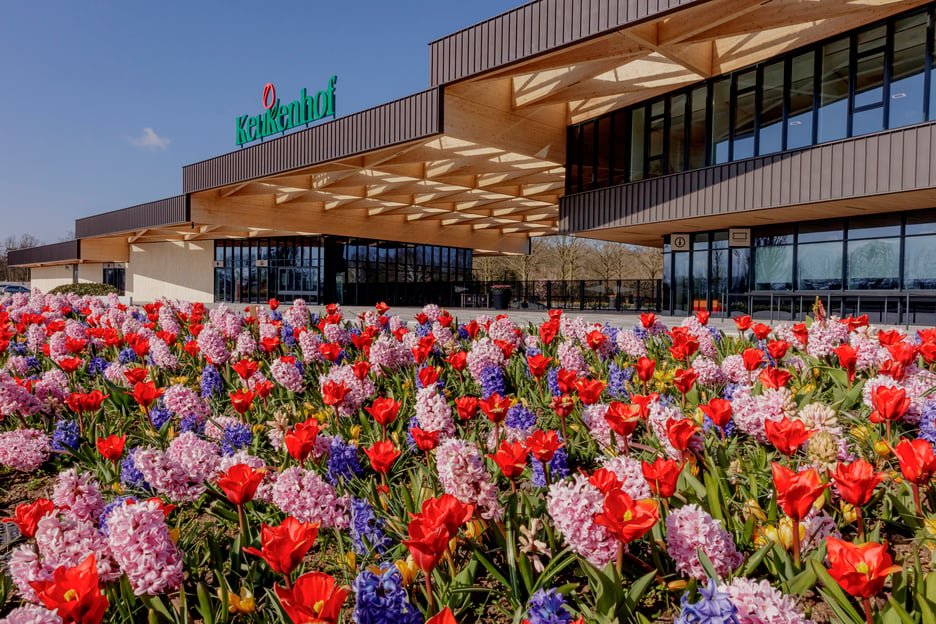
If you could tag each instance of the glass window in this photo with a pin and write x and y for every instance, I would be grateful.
(603, 163)
(873, 264)
(677, 134)
(700, 270)
(800, 116)
(874, 227)
(588, 155)
(740, 269)
(657, 141)
(574, 159)
(697, 106)
(219, 251)
(667, 277)
(744, 112)
(637, 144)
(770, 135)
(868, 107)
(820, 231)
(819, 266)
(721, 121)
(921, 222)
(681, 281)
(833, 96)
(773, 266)
(907, 71)
(919, 260)
(718, 273)
(619, 149)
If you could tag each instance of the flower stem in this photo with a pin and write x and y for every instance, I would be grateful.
(866, 603)
(796, 543)
(916, 500)
(430, 600)
(861, 527)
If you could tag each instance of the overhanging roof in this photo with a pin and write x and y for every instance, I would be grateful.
(65, 252)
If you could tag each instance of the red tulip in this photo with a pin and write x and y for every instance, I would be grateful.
(427, 543)
(685, 379)
(74, 593)
(538, 365)
(382, 454)
(566, 379)
(246, 369)
(314, 599)
(300, 440)
(861, 569)
(605, 480)
(680, 432)
(703, 316)
(928, 351)
(445, 616)
(890, 337)
(548, 331)
(645, 367)
(622, 418)
(240, 483)
(28, 516)
(466, 407)
(428, 376)
(112, 446)
(595, 339)
(284, 546)
(425, 440)
(273, 303)
(775, 378)
(495, 407)
(787, 435)
(647, 319)
(333, 393)
(890, 403)
(146, 393)
(511, 458)
(761, 331)
(90, 402)
(70, 365)
(684, 345)
(382, 308)
(458, 360)
(796, 492)
(848, 358)
(917, 461)
(562, 405)
(662, 476)
(625, 518)
(777, 349)
(719, 410)
(743, 323)
(801, 333)
(241, 400)
(384, 410)
(446, 511)
(589, 391)
(544, 444)
(856, 481)
(753, 358)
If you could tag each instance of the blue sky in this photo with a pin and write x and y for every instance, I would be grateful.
(82, 81)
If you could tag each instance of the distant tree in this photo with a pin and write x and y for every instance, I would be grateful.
(15, 274)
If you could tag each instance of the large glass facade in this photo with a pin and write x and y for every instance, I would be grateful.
(862, 256)
(322, 269)
(871, 79)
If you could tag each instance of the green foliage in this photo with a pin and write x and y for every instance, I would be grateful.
(84, 289)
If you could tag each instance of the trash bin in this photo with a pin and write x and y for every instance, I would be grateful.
(500, 298)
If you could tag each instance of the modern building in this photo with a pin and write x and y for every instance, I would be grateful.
(777, 150)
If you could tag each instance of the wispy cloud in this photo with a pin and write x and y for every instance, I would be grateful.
(150, 140)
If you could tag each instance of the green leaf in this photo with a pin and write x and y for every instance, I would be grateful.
(706, 564)
(926, 611)
(900, 611)
(714, 498)
(803, 582)
(844, 616)
(204, 604)
(637, 590)
(838, 595)
(755, 560)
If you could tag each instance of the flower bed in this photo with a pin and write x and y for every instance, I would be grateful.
(176, 464)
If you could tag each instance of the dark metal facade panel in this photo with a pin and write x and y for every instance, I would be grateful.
(535, 28)
(887, 162)
(169, 211)
(414, 117)
(56, 252)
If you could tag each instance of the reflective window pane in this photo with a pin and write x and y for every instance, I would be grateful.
(800, 117)
(833, 92)
(721, 121)
(740, 269)
(773, 268)
(588, 155)
(681, 282)
(770, 135)
(907, 71)
(921, 222)
(637, 144)
(820, 231)
(699, 98)
(744, 106)
(677, 134)
(874, 227)
(873, 264)
(603, 164)
(657, 140)
(620, 149)
(919, 260)
(819, 266)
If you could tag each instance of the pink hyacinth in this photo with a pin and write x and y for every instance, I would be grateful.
(710, 375)
(246, 346)
(463, 475)
(140, 543)
(31, 614)
(690, 529)
(571, 357)
(733, 368)
(212, 346)
(24, 567)
(308, 343)
(65, 540)
(358, 391)
(572, 504)
(594, 418)
(297, 314)
(504, 330)
(630, 473)
(434, 413)
(484, 353)
(162, 357)
(166, 475)
(758, 602)
(24, 449)
(825, 336)
(287, 375)
(199, 458)
(182, 401)
(308, 498)
(630, 344)
(79, 494)
(35, 338)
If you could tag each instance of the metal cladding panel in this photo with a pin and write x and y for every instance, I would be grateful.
(414, 117)
(887, 162)
(534, 28)
(169, 211)
(56, 252)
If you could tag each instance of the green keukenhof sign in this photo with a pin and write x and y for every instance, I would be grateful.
(280, 117)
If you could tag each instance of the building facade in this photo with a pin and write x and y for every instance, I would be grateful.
(776, 151)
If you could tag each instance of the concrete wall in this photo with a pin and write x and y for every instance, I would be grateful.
(177, 270)
(47, 278)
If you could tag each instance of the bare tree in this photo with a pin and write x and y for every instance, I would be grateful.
(15, 274)
(647, 262)
(605, 260)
